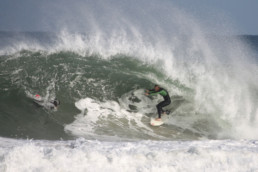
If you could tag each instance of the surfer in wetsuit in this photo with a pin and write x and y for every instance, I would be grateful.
(161, 91)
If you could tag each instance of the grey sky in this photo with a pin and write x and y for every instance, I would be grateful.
(242, 13)
(28, 15)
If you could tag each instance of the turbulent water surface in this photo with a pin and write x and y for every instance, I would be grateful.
(99, 74)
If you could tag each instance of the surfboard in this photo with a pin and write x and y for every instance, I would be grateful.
(37, 98)
(164, 118)
(154, 122)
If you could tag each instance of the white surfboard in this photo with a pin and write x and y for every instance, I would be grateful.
(154, 122)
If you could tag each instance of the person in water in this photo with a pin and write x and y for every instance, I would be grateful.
(56, 103)
(161, 91)
(51, 105)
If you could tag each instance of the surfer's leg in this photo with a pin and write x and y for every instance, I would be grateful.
(159, 108)
(163, 104)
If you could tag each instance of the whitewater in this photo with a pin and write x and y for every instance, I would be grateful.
(88, 155)
(97, 59)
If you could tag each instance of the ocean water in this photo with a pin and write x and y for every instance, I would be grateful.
(99, 73)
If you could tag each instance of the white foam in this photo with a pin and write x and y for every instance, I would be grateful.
(109, 118)
(85, 155)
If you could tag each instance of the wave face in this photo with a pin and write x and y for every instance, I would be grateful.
(100, 67)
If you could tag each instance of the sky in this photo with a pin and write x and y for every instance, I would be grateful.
(241, 13)
(26, 15)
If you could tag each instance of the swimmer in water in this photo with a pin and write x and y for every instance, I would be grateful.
(51, 105)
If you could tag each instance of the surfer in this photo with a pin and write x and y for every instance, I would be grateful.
(161, 91)
(51, 105)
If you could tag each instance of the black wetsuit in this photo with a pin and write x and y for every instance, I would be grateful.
(164, 103)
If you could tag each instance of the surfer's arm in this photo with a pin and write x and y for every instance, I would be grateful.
(162, 92)
(153, 92)
(148, 92)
